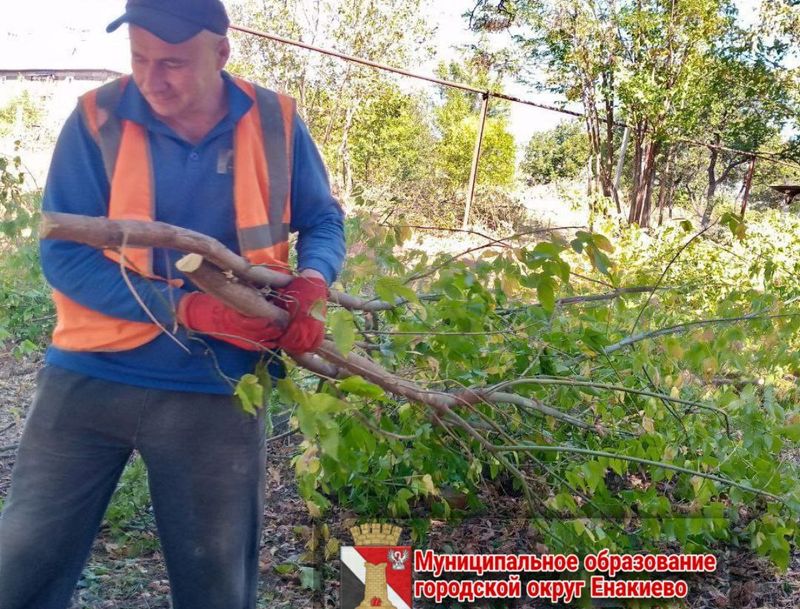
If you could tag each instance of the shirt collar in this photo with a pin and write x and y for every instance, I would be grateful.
(133, 107)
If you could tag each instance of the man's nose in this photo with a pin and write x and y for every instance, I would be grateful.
(153, 78)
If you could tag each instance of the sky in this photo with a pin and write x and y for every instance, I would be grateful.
(72, 34)
(54, 34)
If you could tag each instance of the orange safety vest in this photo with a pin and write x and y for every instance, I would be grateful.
(262, 166)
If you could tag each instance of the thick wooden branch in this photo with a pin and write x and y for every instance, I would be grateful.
(104, 233)
(242, 297)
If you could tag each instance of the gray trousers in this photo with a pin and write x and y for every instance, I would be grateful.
(205, 461)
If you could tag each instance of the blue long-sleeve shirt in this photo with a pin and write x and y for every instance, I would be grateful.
(194, 190)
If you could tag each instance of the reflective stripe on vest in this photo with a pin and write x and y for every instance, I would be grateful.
(261, 192)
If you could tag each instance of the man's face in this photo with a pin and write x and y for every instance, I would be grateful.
(177, 79)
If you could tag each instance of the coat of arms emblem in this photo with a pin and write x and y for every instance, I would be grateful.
(376, 572)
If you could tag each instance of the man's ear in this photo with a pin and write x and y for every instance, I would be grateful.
(223, 52)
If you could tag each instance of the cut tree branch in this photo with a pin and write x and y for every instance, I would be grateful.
(224, 274)
(103, 233)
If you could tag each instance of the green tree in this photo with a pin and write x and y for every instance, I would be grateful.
(278, 66)
(391, 139)
(781, 19)
(742, 100)
(557, 154)
(331, 92)
(22, 112)
(666, 47)
(573, 49)
(458, 122)
(665, 68)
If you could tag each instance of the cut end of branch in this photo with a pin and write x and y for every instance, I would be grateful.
(189, 263)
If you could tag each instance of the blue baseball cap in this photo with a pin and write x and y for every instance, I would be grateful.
(174, 21)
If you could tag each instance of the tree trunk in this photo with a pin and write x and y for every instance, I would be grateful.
(665, 188)
(648, 196)
(711, 188)
(713, 180)
(636, 173)
(601, 138)
(671, 199)
(607, 164)
(593, 130)
(640, 209)
(344, 152)
(748, 181)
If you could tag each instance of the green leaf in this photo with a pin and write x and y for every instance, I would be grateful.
(546, 293)
(327, 404)
(546, 250)
(289, 392)
(736, 224)
(308, 462)
(602, 242)
(563, 271)
(286, 568)
(582, 238)
(310, 578)
(317, 310)
(331, 548)
(250, 392)
(343, 330)
(617, 465)
(769, 270)
(594, 473)
(329, 440)
(357, 385)
(389, 288)
(600, 261)
(428, 484)
(792, 432)
(779, 554)
(307, 420)
(594, 339)
(400, 505)
(361, 438)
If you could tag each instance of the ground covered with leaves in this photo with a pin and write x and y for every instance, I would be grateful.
(299, 566)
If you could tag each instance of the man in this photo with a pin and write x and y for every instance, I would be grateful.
(183, 142)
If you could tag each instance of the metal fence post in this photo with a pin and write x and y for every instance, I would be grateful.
(473, 174)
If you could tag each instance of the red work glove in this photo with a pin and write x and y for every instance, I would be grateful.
(205, 313)
(304, 333)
